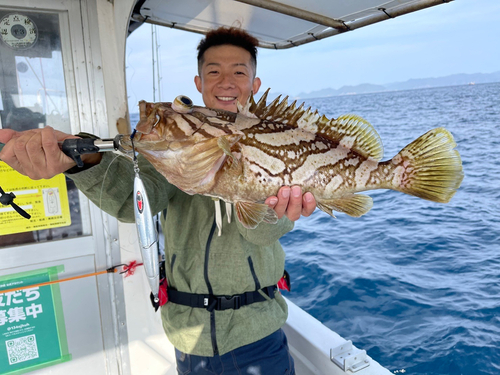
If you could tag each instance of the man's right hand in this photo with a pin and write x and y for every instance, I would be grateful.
(36, 153)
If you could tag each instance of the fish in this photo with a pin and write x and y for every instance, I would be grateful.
(245, 157)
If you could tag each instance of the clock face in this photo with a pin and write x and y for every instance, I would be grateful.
(18, 31)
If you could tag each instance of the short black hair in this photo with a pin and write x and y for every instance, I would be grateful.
(228, 35)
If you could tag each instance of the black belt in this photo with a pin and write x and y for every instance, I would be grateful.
(211, 302)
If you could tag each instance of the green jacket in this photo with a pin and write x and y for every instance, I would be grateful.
(196, 257)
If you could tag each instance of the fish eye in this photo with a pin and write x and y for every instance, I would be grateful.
(182, 104)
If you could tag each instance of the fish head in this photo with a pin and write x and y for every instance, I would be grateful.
(187, 144)
(171, 125)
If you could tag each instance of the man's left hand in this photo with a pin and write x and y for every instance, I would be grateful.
(292, 203)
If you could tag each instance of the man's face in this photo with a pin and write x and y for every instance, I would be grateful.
(227, 76)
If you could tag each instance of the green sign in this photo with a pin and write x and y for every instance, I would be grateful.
(32, 330)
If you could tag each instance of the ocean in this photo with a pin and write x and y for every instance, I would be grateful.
(414, 283)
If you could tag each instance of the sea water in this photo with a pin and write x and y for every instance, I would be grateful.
(413, 282)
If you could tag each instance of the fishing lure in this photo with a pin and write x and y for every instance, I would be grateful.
(146, 230)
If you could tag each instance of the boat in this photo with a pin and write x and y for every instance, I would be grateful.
(62, 63)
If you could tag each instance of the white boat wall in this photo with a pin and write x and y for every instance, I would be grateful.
(62, 63)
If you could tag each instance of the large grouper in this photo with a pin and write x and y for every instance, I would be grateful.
(245, 157)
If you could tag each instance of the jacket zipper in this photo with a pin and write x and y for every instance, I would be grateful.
(210, 290)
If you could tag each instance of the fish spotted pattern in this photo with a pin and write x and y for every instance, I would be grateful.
(246, 157)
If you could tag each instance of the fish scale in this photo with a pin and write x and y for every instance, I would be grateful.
(246, 157)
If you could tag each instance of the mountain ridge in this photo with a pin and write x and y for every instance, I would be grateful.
(411, 84)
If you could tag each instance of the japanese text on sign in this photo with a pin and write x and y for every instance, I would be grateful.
(45, 200)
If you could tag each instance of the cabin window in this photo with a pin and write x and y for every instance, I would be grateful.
(33, 94)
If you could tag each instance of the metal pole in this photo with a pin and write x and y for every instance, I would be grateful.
(297, 13)
(153, 58)
(158, 64)
(382, 15)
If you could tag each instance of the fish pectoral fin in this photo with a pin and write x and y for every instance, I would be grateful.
(202, 162)
(236, 168)
(354, 205)
(225, 143)
(251, 214)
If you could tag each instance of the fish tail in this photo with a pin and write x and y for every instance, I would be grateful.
(429, 167)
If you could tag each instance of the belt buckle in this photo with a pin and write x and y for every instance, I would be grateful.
(224, 303)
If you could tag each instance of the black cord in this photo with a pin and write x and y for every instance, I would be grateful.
(132, 141)
(7, 199)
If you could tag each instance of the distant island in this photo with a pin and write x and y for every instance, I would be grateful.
(365, 88)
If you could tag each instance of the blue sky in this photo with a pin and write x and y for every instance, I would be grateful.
(457, 37)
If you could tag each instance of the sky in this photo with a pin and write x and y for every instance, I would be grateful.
(458, 37)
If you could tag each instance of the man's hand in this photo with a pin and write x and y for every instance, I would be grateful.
(292, 203)
(35, 153)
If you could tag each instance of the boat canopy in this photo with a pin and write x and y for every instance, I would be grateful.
(277, 24)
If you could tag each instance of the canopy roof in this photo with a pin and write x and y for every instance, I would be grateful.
(278, 23)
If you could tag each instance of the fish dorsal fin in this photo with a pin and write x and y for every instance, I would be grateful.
(350, 131)
(252, 109)
(246, 110)
(258, 107)
(357, 134)
(251, 214)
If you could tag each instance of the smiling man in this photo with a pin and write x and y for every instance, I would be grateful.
(226, 75)
(224, 313)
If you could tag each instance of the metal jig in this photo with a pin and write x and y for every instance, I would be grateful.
(145, 229)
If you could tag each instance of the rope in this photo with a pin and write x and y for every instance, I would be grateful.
(129, 269)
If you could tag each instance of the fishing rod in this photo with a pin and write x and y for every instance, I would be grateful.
(76, 147)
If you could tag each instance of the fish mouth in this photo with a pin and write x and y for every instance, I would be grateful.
(141, 140)
(146, 137)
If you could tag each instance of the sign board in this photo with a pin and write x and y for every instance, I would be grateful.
(32, 329)
(45, 200)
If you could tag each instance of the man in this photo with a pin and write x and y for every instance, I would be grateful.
(236, 335)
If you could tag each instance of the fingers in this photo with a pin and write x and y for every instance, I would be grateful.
(294, 208)
(7, 134)
(280, 203)
(28, 154)
(8, 155)
(54, 157)
(308, 204)
(291, 203)
(35, 153)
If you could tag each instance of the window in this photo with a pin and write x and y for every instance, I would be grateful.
(33, 95)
